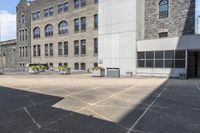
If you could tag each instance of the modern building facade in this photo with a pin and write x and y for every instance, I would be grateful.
(154, 38)
(65, 33)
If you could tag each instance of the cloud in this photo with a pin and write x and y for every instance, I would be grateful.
(8, 25)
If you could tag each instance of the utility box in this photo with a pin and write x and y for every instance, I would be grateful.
(113, 72)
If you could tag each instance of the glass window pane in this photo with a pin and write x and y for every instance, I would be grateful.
(149, 55)
(140, 55)
(141, 63)
(169, 54)
(169, 63)
(150, 63)
(180, 54)
(159, 55)
(159, 63)
(180, 64)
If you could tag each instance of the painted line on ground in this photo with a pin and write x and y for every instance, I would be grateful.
(147, 109)
(34, 121)
(79, 110)
(197, 85)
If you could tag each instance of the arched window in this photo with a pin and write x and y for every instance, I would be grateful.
(63, 27)
(36, 32)
(49, 30)
(163, 11)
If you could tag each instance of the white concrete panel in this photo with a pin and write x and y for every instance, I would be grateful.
(160, 72)
(176, 43)
(117, 34)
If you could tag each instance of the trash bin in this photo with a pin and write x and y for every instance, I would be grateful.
(113, 72)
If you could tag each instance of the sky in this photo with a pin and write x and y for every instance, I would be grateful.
(8, 19)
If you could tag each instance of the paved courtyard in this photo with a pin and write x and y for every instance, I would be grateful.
(82, 104)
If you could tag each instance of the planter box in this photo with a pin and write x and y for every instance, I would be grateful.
(67, 71)
(33, 71)
(98, 73)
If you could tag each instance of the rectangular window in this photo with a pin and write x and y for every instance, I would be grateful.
(23, 19)
(76, 47)
(179, 63)
(141, 63)
(20, 37)
(59, 64)
(22, 34)
(150, 63)
(96, 21)
(83, 47)
(180, 54)
(83, 3)
(38, 50)
(26, 36)
(23, 53)
(76, 3)
(96, 1)
(46, 12)
(82, 66)
(60, 7)
(60, 49)
(150, 55)
(65, 48)
(169, 55)
(65, 64)
(76, 66)
(159, 55)
(83, 23)
(46, 52)
(76, 25)
(20, 52)
(26, 51)
(66, 7)
(51, 49)
(34, 51)
(159, 63)
(95, 45)
(169, 63)
(51, 11)
(163, 34)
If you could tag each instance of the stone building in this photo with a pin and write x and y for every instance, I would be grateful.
(23, 33)
(65, 33)
(8, 51)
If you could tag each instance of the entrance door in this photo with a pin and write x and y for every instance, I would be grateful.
(193, 64)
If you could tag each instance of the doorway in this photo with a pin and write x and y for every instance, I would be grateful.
(193, 64)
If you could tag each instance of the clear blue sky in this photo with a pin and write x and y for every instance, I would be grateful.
(9, 5)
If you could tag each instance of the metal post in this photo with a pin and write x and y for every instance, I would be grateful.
(186, 62)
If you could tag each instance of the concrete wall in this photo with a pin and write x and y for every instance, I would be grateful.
(175, 43)
(161, 72)
(118, 30)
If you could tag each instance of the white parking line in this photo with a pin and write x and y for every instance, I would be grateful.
(197, 85)
(147, 109)
(37, 124)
